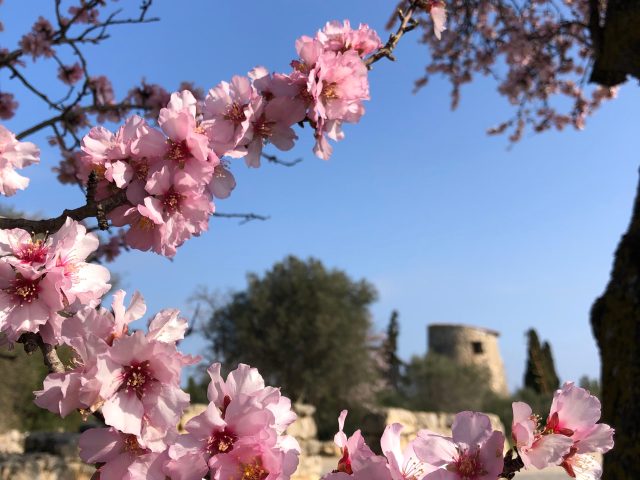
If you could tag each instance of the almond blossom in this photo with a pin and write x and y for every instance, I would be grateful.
(13, 155)
(474, 452)
(403, 464)
(120, 455)
(538, 447)
(42, 277)
(240, 432)
(575, 413)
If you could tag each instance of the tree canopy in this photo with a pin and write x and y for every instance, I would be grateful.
(299, 322)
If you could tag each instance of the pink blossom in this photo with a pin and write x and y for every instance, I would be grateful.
(356, 455)
(271, 122)
(438, 14)
(257, 461)
(120, 455)
(22, 250)
(340, 37)
(575, 413)
(216, 433)
(222, 183)
(38, 42)
(403, 464)
(537, 447)
(13, 155)
(146, 226)
(245, 380)
(81, 283)
(473, 453)
(28, 299)
(337, 85)
(70, 74)
(167, 326)
(8, 105)
(187, 145)
(144, 398)
(227, 112)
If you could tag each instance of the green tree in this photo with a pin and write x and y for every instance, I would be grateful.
(540, 375)
(22, 374)
(436, 383)
(307, 329)
(392, 367)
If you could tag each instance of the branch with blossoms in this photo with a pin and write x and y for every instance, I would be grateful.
(158, 185)
(538, 51)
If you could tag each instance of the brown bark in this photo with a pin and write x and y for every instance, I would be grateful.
(615, 319)
(616, 42)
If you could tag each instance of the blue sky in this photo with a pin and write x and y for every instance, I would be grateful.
(448, 223)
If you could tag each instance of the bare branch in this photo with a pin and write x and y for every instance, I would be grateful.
(275, 159)
(91, 209)
(33, 342)
(407, 23)
(246, 217)
(116, 107)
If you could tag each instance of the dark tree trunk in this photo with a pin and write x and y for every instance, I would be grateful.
(616, 42)
(615, 319)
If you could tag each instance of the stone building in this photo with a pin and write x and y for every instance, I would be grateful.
(465, 345)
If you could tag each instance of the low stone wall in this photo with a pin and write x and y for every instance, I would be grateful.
(41, 456)
(54, 455)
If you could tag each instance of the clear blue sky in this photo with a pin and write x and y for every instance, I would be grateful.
(448, 223)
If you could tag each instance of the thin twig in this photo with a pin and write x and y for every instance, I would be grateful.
(275, 159)
(246, 217)
(407, 23)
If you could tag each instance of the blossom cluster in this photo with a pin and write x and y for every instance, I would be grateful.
(475, 450)
(170, 174)
(133, 378)
(44, 279)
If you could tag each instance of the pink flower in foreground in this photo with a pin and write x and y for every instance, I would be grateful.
(120, 456)
(240, 432)
(144, 397)
(403, 464)
(245, 380)
(537, 447)
(82, 283)
(473, 453)
(28, 299)
(575, 413)
(258, 461)
(13, 155)
(214, 433)
(357, 458)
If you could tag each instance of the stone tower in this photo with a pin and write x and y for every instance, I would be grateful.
(467, 345)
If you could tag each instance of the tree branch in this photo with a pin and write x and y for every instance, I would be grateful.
(91, 209)
(116, 107)
(275, 159)
(33, 342)
(512, 464)
(246, 217)
(407, 23)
